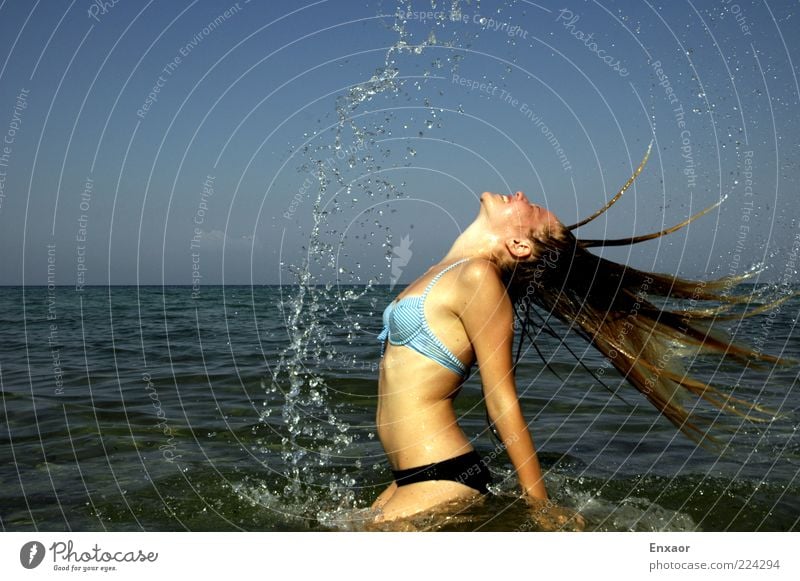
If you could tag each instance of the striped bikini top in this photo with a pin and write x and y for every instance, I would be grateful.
(404, 323)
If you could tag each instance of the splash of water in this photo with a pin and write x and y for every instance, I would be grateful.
(315, 440)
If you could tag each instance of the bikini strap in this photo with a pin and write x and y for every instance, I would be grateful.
(438, 276)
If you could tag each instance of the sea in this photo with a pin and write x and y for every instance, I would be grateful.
(252, 408)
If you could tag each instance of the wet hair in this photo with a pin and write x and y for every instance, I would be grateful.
(646, 324)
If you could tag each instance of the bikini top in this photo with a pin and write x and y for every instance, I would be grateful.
(404, 323)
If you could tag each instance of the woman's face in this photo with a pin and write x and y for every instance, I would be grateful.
(515, 216)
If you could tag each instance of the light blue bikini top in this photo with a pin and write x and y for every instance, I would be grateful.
(404, 323)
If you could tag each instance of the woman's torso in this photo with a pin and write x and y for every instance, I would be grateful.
(416, 421)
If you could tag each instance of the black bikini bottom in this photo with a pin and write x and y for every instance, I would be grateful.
(466, 469)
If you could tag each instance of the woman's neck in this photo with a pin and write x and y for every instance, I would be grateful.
(474, 242)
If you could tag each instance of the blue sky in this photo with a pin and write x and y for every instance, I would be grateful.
(166, 143)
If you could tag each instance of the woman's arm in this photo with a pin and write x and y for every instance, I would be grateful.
(488, 317)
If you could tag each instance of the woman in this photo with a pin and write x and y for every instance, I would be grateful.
(457, 313)
(513, 256)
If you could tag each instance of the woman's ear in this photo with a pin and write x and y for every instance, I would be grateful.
(520, 248)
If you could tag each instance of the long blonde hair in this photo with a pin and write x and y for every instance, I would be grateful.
(614, 307)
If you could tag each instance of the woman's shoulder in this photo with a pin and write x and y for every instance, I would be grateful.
(478, 270)
(480, 289)
(479, 277)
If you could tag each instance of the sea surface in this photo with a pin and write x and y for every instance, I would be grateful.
(252, 408)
